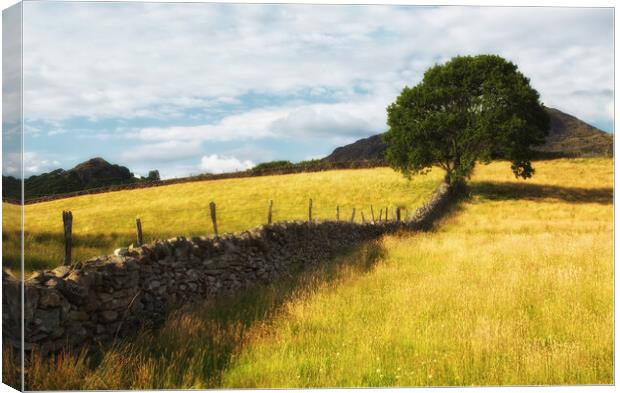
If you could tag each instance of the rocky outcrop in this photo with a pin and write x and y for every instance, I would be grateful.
(96, 300)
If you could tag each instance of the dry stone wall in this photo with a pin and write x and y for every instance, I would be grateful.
(97, 300)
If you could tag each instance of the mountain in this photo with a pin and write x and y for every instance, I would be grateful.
(93, 173)
(568, 137)
(572, 137)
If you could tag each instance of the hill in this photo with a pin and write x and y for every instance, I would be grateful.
(93, 173)
(568, 137)
(103, 222)
(464, 305)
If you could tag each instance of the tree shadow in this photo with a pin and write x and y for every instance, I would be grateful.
(195, 344)
(513, 191)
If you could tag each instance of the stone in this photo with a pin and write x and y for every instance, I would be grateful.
(120, 252)
(154, 285)
(105, 297)
(73, 292)
(131, 265)
(55, 283)
(109, 316)
(77, 316)
(47, 320)
(61, 271)
(49, 298)
(31, 302)
(38, 276)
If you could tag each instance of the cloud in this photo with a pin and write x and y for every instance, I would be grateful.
(248, 125)
(33, 164)
(149, 60)
(177, 77)
(333, 122)
(220, 164)
(314, 122)
(160, 152)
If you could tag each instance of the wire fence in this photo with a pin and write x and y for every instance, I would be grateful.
(251, 217)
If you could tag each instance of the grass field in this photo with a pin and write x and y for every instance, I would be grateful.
(103, 222)
(516, 287)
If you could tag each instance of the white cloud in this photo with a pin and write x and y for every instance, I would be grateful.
(333, 122)
(139, 59)
(220, 164)
(161, 151)
(292, 73)
(33, 163)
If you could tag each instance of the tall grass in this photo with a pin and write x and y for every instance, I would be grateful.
(515, 288)
(195, 344)
(102, 222)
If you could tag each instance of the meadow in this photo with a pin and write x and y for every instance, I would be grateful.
(103, 222)
(514, 287)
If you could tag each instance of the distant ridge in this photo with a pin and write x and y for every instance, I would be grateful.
(568, 137)
(93, 173)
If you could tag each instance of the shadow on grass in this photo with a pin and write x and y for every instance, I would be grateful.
(44, 250)
(528, 191)
(195, 344)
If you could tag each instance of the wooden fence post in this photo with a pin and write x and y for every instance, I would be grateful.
(67, 221)
(353, 215)
(363, 219)
(213, 217)
(386, 214)
(138, 232)
(398, 213)
(269, 211)
(372, 214)
(337, 213)
(310, 210)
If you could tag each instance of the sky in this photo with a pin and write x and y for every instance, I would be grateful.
(193, 88)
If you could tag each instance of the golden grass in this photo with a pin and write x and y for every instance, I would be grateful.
(510, 291)
(102, 222)
(516, 288)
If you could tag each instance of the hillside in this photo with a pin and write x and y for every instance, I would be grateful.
(93, 173)
(103, 222)
(568, 137)
(466, 304)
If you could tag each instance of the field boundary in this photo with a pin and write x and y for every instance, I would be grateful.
(98, 300)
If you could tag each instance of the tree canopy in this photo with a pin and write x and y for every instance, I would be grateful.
(463, 111)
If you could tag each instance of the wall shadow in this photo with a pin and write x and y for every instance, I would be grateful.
(198, 339)
(528, 191)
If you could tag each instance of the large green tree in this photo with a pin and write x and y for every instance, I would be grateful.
(469, 109)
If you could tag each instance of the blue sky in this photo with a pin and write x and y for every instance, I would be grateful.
(193, 88)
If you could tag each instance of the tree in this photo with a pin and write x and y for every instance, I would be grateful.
(466, 110)
(153, 175)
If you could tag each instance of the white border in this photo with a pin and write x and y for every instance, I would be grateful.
(523, 3)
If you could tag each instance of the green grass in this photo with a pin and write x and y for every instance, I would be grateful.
(103, 222)
(515, 288)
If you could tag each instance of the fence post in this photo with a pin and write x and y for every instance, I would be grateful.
(363, 219)
(380, 214)
(337, 213)
(386, 214)
(138, 232)
(353, 215)
(372, 214)
(213, 217)
(310, 210)
(67, 221)
(269, 211)
(398, 213)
